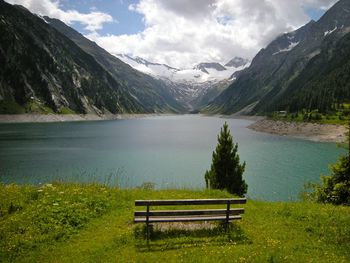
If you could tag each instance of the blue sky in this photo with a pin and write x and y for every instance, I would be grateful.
(125, 21)
(315, 13)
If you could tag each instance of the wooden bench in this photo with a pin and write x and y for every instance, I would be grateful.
(160, 216)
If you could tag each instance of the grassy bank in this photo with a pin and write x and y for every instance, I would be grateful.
(93, 223)
(339, 117)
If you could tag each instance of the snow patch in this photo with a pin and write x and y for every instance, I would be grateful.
(291, 46)
(330, 31)
(42, 18)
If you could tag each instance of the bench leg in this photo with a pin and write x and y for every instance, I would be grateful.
(227, 221)
(147, 224)
(149, 230)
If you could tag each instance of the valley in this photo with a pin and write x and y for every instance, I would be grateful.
(106, 102)
(303, 70)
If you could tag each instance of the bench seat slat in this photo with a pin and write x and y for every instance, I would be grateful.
(190, 202)
(234, 211)
(184, 219)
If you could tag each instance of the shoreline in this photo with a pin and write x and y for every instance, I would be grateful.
(46, 118)
(303, 130)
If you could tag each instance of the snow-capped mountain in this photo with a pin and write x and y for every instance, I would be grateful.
(192, 87)
(237, 62)
(201, 73)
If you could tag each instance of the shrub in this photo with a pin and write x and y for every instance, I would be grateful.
(335, 189)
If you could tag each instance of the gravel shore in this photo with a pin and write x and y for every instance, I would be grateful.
(310, 131)
(7, 118)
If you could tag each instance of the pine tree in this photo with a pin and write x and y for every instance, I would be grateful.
(226, 171)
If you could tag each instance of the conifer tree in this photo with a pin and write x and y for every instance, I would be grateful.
(226, 171)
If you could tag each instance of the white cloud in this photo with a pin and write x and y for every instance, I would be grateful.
(91, 21)
(182, 33)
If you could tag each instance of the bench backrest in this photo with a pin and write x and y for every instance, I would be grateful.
(190, 202)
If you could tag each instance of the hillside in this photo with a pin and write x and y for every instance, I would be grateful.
(322, 84)
(282, 75)
(89, 223)
(152, 93)
(45, 72)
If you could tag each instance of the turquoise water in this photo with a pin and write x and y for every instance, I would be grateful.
(170, 151)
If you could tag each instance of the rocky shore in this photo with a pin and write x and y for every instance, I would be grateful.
(7, 118)
(309, 131)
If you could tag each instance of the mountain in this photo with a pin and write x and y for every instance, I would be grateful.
(44, 71)
(141, 61)
(205, 66)
(291, 72)
(201, 73)
(152, 93)
(194, 96)
(150, 68)
(193, 87)
(323, 84)
(237, 62)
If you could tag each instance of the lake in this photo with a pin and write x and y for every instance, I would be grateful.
(169, 151)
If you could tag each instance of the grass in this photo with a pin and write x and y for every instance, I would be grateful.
(340, 117)
(94, 223)
(10, 107)
(65, 110)
(37, 107)
(34, 106)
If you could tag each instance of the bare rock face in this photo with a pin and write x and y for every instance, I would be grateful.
(205, 66)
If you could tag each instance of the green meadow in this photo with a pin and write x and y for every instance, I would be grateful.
(94, 223)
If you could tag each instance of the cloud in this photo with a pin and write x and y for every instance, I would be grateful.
(320, 4)
(182, 33)
(91, 21)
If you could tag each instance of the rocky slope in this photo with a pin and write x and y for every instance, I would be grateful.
(279, 74)
(152, 93)
(43, 71)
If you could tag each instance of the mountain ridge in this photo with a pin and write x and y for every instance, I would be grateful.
(152, 92)
(44, 71)
(274, 68)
